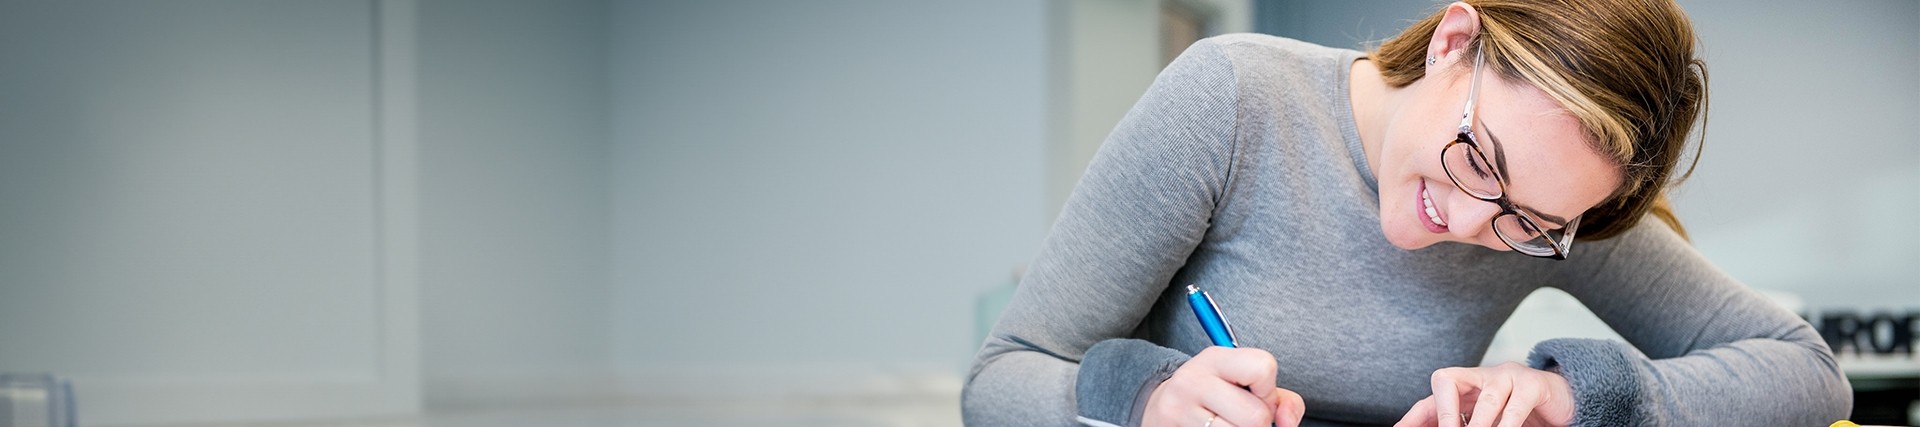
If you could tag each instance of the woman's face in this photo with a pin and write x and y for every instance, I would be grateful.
(1537, 146)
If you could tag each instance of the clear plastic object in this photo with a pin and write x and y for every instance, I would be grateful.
(35, 400)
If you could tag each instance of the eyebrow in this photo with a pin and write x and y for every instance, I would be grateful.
(1500, 160)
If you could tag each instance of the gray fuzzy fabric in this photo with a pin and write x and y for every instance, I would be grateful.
(1111, 366)
(1603, 376)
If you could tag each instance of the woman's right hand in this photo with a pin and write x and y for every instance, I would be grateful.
(1232, 387)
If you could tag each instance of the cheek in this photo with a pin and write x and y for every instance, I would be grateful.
(1408, 155)
(1416, 155)
(1413, 143)
(1416, 135)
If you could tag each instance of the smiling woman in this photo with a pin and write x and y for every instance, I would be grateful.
(1530, 231)
(1630, 91)
(1353, 214)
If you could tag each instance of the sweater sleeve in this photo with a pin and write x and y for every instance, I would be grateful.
(1141, 208)
(1706, 350)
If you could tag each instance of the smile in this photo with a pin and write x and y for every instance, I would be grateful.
(1432, 218)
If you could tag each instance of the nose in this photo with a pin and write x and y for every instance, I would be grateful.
(1472, 221)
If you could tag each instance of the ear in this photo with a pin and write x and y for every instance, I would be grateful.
(1454, 36)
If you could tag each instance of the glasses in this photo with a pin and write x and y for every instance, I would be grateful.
(1467, 166)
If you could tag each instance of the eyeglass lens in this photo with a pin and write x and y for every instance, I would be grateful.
(1522, 236)
(1469, 171)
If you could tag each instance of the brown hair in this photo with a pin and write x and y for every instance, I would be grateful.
(1624, 68)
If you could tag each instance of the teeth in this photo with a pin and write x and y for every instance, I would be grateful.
(1432, 214)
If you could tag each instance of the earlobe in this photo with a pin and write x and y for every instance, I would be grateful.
(1455, 33)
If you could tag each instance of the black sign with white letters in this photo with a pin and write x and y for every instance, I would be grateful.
(1881, 332)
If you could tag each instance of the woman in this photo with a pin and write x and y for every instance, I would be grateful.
(1339, 207)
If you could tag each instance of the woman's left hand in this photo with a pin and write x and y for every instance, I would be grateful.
(1505, 395)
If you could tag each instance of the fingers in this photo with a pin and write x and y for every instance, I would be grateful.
(1420, 416)
(1214, 385)
(1498, 396)
(1235, 405)
(1245, 394)
(1204, 418)
(1493, 396)
(1526, 396)
(1446, 395)
(1193, 400)
(1252, 368)
(1216, 421)
(1289, 409)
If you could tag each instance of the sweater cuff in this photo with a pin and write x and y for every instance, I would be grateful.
(1116, 378)
(1603, 374)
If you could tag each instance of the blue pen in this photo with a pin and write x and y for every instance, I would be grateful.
(1210, 318)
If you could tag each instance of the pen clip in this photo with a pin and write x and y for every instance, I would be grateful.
(1211, 319)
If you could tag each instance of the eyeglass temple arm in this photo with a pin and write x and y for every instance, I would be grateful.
(1473, 91)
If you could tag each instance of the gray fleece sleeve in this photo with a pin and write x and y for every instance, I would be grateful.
(1706, 350)
(1143, 205)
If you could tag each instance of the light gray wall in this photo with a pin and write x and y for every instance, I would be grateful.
(1348, 24)
(1812, 166)
(152, 166)
(513, 200)
(1104, 54)
(807, 189)
(203, 199)
(193, 199)
(1107, 53)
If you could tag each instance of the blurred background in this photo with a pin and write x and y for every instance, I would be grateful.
(734, 212)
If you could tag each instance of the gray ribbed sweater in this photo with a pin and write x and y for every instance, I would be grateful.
(1241, 170)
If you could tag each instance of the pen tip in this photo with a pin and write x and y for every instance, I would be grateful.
(1193, 289)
